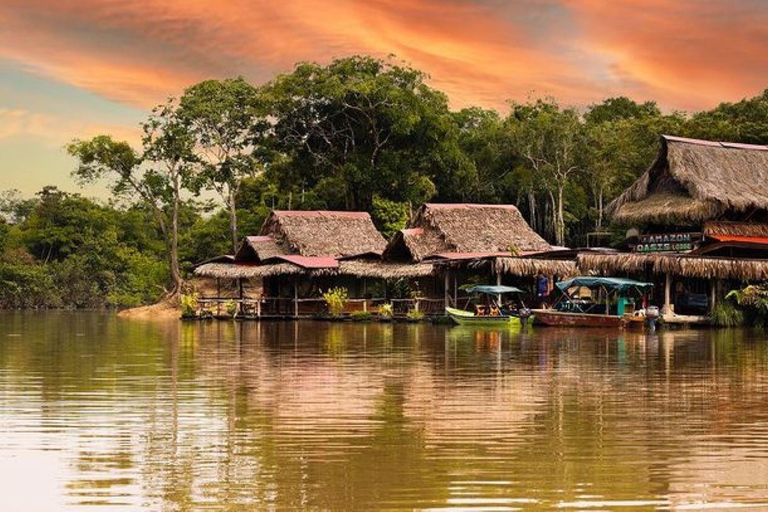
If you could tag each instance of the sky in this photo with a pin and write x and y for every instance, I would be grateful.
(76, 68)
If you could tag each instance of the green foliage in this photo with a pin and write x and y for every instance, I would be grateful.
(415, 315)
(754, 300)
(389, 216)
(726, 314)
(387, 310)
(335, 300)
(189, 305)
(27, 287)
(231, 308)
(361, 316)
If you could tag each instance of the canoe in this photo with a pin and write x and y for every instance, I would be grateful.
(462, 317)
(560, 318)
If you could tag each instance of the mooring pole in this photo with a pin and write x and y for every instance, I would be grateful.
(667, 294)
(447, 288)
(295, 300)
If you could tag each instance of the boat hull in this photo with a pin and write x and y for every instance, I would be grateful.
(462, 317)
(558, 318)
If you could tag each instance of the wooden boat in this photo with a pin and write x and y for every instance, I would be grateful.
(565, 319)
(571, 310)
(462, 317)
(503, 317)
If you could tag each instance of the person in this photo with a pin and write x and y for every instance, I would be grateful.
(542, 289)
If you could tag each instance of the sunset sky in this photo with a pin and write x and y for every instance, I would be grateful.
(74, 68)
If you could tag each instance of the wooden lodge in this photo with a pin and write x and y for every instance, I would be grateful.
(699, 224)
(299, 254)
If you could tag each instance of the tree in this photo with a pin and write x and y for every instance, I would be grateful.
(361, 127)
(156, 177)
(228, 122)
(549, 139)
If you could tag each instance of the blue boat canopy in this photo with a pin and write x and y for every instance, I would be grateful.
(613, 283)
(493, 289)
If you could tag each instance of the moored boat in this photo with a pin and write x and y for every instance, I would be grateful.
(610, 302)
(493, 312)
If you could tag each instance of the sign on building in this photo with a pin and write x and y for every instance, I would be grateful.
(667, 242)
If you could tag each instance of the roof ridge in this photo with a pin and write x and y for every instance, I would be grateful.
(713, 143)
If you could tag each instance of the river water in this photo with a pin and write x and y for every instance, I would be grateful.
(98, 412)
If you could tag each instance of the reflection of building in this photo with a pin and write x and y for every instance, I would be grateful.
(701, 214)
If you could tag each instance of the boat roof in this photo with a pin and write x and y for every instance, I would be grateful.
(493, 289)
(615, 283)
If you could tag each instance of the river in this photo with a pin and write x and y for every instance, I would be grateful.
(98, 412)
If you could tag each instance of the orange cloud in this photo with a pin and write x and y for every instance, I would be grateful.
(687, 53)
(139, 51)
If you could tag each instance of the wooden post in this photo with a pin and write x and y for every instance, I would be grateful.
(713, 292)
(365, 290)
(667, 295)
(295, 300)
(447, 286)
(456, 289)
(240, 291)
(498, 283)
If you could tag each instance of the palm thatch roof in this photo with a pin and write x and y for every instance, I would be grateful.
(722, 228)
(319, 233)
(464, 228)
(356, 267)
(676, 264)
(531, 267)
(696, 180)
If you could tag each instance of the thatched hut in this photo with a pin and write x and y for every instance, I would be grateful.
(464, 240)
(299, 253)
(700, 218)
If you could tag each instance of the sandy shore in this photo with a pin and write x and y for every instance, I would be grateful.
(165, 310)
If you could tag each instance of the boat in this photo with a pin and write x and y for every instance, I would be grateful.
(493, 312)
(609, 303)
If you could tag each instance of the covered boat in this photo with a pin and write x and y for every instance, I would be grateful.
(589, 301)
(494, 311)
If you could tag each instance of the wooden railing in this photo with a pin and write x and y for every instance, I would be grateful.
(288, 307)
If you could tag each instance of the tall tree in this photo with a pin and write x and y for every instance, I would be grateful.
(362, 127)
(157, 176)
(228, 122)
(549, 139)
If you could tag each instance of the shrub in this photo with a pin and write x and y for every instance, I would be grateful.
(754, 300)
(231, 308)
(387, 310)
(726, 314)
(336, 299)
(415, 315)
(189, 305)
(361, 316)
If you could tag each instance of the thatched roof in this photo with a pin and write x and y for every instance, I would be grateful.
(317, 234)
(695, 180)
(531, 267)
(357, 267)
(715, 229)
(677, 264)
(464, 228)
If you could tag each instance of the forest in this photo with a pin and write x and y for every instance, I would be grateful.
(359, 133)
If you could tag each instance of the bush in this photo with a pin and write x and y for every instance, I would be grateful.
(754, 301)
(415, 315)
(726, 314)
(361, 316)
(336, 299)
(387, 310)
(27, 287)
(231, 308)
(189, 305)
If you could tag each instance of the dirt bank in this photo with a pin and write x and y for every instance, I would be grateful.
(165, 310)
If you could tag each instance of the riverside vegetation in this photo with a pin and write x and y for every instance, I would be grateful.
(357, 134)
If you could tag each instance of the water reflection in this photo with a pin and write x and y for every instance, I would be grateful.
(101, 411)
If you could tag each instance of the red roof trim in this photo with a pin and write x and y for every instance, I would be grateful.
(321, 213)
(309, 261)
(742, 239)
(467, 206)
